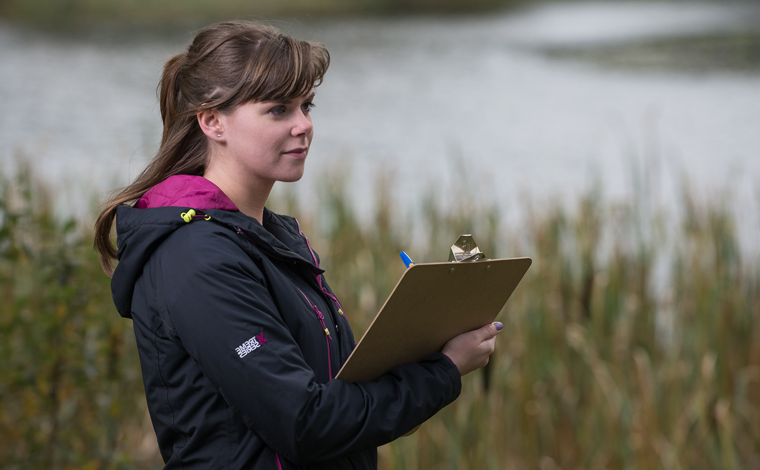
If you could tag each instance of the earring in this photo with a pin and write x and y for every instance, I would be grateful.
(219, 136)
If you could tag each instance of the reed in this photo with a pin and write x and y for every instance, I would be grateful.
(633, 341)
(70, 384)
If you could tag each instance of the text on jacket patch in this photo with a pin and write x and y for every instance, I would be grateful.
(251, 345)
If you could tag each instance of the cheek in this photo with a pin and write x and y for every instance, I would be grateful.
(258, 142)
(268, 139)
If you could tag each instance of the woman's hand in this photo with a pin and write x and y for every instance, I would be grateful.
(470, 351)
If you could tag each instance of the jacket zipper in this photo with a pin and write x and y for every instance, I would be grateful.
(324, 327)
(318, 277)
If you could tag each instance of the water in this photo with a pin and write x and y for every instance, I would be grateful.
(432, 101)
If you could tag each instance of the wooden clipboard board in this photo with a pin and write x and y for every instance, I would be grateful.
(431, 304)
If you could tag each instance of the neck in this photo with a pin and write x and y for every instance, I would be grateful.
(249, 196)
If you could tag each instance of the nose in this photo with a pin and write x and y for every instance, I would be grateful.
(302, 125)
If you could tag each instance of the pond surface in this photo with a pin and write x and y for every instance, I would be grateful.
(484, 99)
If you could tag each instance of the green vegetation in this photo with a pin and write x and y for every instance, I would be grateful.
(181, 11)
(70, 384)
(602, 363)
(737, 50)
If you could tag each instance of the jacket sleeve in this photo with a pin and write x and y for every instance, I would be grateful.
(218, 305)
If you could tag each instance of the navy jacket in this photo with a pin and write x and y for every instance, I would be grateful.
(239, 337)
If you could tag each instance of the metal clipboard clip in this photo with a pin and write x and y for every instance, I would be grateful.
(465, 249)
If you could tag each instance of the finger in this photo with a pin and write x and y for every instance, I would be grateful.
(487, 347)
(490, 330)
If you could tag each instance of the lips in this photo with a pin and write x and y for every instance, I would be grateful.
(299, 152)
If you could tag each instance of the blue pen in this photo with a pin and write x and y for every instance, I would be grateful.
(406, 259)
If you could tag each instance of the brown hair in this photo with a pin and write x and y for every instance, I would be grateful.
(226, 65)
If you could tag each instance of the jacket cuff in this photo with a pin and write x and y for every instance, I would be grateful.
(451, 370)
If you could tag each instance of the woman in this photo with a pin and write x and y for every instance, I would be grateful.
(238, 332)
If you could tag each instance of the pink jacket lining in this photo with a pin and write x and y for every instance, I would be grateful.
(186, 191)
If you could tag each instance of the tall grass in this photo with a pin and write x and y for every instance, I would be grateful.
(633, 341)
(70, 382)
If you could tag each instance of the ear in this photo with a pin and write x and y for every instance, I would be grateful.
(211, 124)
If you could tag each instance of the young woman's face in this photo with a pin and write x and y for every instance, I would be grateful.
(269, 140)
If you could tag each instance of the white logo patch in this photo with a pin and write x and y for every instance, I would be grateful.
(247, 347)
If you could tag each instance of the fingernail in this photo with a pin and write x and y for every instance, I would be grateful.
(498, 325)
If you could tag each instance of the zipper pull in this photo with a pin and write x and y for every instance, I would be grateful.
(319, 314)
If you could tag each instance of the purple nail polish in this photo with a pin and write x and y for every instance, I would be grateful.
(498, 325)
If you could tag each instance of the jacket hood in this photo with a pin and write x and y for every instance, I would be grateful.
(141, 229)
(186, 190)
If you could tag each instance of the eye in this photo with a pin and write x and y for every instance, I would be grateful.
(278, 110)
(308, 106)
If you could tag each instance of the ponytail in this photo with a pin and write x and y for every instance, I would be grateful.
(172, 159)
(168, 88)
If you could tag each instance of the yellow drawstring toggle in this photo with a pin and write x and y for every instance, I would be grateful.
(208, 217)
(188, 216)
(340, 310)
(327, 332)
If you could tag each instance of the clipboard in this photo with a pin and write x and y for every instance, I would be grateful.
(431, 304)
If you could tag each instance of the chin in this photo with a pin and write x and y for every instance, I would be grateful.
(292, 178)
(291, 173)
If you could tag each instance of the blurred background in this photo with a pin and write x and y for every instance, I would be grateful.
(616, 143)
